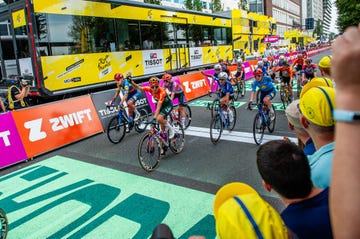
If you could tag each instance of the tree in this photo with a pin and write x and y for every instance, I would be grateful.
(318, 31)
(216, 6)
(156, 2)
(242, 4)
(189, 4)
(198, 5)
(348, 13)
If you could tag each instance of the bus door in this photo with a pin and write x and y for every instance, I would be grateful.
(14, 43)
(175, 41)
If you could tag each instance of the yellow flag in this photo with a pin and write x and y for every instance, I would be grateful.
(19, 18)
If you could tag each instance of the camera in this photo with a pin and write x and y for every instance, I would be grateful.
(27, 80)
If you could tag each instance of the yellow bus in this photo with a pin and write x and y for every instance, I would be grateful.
(71, 46)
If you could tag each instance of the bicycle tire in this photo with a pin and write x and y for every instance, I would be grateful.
(142, 122)
(216, 128)
(282, 98)
(177, 143)
(258, 129)
(271, 123)
(242, 89)
(188, 116)
(236, 90)
(115, 131)
(4, 224)
(232, 124)
(214, 107)
(149, 152)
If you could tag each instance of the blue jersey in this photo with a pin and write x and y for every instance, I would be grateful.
(265, 85)
(226, 89)
(127, 87)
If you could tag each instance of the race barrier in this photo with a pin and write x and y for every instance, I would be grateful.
(32, 131)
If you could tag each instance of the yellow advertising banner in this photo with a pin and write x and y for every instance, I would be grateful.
(19, 18)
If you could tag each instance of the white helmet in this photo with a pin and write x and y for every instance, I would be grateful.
(223, 75)
(260, 63)
(239, 61)
(282, 57)
(217, 67)
(265, 60)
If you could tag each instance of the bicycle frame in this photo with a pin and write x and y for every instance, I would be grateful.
(264, 115)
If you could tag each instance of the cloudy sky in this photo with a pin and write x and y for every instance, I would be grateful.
(334, 16)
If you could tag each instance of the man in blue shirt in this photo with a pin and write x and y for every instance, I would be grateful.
(267, 89)
(284, 168)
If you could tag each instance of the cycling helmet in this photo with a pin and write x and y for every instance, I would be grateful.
(217, 67)
(308, 60)
(258, 71)
(118, 76)
(239, 61)
(300, 55)
(286, 63)
(325, 62)
(265, 60)
(166, 77)
(282, 57)
(154, 81)
(223, 75)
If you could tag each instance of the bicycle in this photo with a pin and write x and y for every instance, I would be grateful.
(238, 89)
(213, 107)
(4, 224)
(222, 120)
(152, 145)
(285, 95)
(298, 83)
(262, 121)
(117, 125)
(175, 115)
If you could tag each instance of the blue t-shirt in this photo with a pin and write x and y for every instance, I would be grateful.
(265, 85)
(309, 218)
(309, 147)
(226, 89)
(321, 163)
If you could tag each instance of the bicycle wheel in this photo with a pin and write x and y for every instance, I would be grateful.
(282, 98)
(216, 128)
(242, 89)
(232, 121)
(237, 90)
(271, 123)
(188, 116)
(214, 107)
(177, 143)
(142, 122)
(258, 129)
(116, 130)
(4, 224)
(149, 152)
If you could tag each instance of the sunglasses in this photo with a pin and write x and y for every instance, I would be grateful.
(257, 76)
(154, 87)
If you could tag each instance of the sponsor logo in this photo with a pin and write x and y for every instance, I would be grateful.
(104, 62)
(5, 137)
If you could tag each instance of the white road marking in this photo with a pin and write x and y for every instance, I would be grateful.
(237, 136)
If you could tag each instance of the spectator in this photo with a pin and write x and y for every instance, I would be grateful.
(292, 115)
(128, 45)
(256, 53)
(316, 108)
(148, 44)
(242, 55)
(240, 212)
(345, 177)
(324, 67)
(2, 106)
(284, 168)
(17, 96)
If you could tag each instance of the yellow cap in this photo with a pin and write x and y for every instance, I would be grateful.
(317, 81)
(240, 212)
(325, 62)
(317, 105)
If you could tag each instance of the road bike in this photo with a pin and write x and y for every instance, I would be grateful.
(298, 83)
(213, 107)
(285, 95)
(119, 124)
(153, 145)
(222, 119)
(239, 90)
(4, 224)
(175, 115)
(261, 121)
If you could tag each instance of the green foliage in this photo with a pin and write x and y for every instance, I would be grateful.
(318, 31)
(242, 4)
(349, 13)
(189, 4)
(216, 6)
(156, 2)
(198, 5)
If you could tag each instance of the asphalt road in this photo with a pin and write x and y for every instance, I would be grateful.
(201, 166)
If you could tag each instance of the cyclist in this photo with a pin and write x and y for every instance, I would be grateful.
(308, 71)
(286, 77)
(298, 62)
(226, 93)
(240, 75)
(267, 89)
(130, 95)
(266, 66)
(214, 77)
(163, 107)
(175, 91)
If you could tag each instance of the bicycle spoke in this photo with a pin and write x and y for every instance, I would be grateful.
(177, 143)
(258, 129)
(115, 130)
(149, 152)
(216, 128)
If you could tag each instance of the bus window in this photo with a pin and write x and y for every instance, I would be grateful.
(175, 35)
(127, 33)
(151, 35)
(195, 35)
